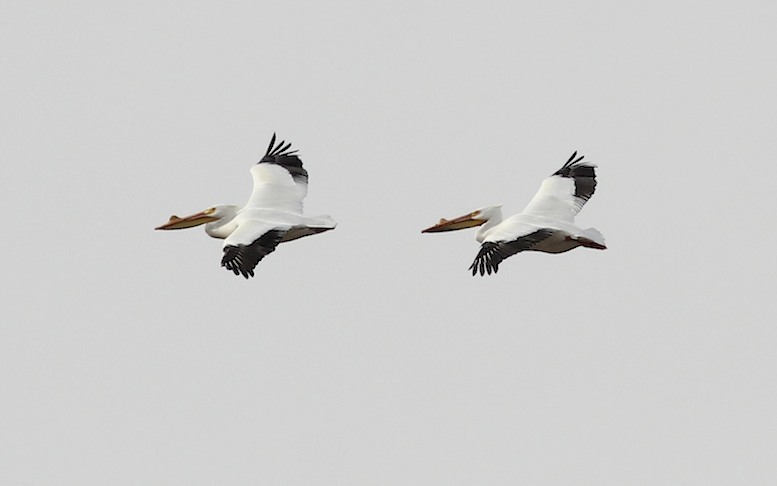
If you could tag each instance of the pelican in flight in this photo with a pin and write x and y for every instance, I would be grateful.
(547, 223)
(272, 215)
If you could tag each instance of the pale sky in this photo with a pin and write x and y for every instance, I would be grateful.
(368, 355)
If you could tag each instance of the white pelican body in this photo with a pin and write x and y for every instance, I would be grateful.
(273, 214)
(546, 224)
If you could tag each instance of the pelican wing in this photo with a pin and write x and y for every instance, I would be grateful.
(562, 195)
(493, 252)
(249, 243)
(280, 181)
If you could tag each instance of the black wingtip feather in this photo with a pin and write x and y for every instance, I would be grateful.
(285, 148)
(571, 161)
(279, 149)
(492, 253)
(584, 176)
(487, 259)
(242, 259)
(280, 154)
(272, 142)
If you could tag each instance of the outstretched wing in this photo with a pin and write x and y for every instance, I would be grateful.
(280, 181)
(492, 253)
(562, 195)
(248, 244)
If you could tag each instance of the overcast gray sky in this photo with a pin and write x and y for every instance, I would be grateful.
(368, 355)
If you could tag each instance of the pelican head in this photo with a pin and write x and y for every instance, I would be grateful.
(469, 220)
(215, 213)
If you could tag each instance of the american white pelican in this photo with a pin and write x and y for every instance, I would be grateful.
(547, 223)
(272, 215)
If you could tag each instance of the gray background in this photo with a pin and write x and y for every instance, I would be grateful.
(369, 355)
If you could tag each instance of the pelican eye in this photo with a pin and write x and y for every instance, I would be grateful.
(210, 211)
(474, 213)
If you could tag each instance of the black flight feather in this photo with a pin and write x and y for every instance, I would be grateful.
(242, 259)
(584, 176)
(492, 253)
(281, 155)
